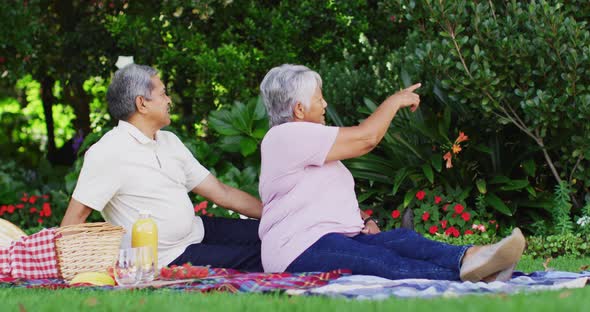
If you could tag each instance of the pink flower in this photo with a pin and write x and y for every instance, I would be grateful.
(448, 158)
(445, 207)
(481, 228)
(462, 137)
(420, 195)
(437, 199)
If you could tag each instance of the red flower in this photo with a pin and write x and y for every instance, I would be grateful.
(420, 195)
(25, 198)
(425, 215)
(395, 214)
(33, 210)
(10, 208)
(445, 207)
(452, 231)
(32, 199)
(392, 18)
(201, 207)
(468, 232)
(369, 212)
(45, 196)
(433, 229)
(465, 216)
(437, 199)
(2, 60)
(40, 220)
(20, 206)
(443, 223)
(459, 208)
(46, 209)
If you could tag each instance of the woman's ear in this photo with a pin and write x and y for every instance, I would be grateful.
(299, 111)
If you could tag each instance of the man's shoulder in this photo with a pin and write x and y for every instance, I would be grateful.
(109, 144)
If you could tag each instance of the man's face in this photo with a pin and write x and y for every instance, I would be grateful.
(159, 103)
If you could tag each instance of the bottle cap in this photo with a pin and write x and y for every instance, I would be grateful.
(145, 212)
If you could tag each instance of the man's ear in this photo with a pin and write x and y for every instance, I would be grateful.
(140, 104)
(299, 111)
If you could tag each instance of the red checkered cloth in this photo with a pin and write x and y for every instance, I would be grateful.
(31, 257)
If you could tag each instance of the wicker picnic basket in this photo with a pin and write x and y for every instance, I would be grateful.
(87, 247)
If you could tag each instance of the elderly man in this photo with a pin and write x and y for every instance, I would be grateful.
(136, 166)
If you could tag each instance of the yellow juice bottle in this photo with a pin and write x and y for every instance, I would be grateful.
(145, 233)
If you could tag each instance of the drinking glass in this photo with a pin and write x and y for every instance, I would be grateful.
(146, 263)
(127, 272)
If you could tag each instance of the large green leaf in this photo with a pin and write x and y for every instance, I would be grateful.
(400, 176)
(497, 203)
(436, 161)
(259, 110)
(515, 185)
(427, 169)
(529, 167)
(248, 146)
(230, 143)
(221, 121)
(241, 118)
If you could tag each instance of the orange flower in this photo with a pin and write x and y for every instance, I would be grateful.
(448, 158)
(462, 137)
(456, 149)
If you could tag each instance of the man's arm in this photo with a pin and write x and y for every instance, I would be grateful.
(76, 213)
(229, 197)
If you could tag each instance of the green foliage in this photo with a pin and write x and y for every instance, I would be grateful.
(563, 221)
(574, 245)
(242, 126)
(522, 65)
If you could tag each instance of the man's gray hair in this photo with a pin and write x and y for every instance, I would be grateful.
(127, 84)
(283, 87)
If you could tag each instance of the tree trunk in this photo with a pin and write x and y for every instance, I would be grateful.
(48, 99)
(76, 96)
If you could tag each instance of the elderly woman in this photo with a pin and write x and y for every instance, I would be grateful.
(311, 220)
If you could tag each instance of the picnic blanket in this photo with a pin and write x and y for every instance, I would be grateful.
(218, 280)
(340, 284)
(377, 288)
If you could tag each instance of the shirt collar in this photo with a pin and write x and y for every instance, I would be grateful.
(136, 133)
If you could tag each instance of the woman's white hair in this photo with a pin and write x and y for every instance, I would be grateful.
(283, 87)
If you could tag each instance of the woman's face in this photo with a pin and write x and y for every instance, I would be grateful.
(317, 108)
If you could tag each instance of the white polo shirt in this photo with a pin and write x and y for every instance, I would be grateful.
(126, 172)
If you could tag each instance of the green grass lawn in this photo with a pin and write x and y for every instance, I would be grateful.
(123, 300)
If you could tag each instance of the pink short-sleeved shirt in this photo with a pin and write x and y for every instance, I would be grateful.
(303, 197)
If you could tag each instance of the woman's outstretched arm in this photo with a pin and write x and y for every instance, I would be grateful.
(356, 141)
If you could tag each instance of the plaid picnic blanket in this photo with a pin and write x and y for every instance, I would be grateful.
(31, 257)
(226, 280)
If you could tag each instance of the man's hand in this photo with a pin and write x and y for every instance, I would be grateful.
(371, 228)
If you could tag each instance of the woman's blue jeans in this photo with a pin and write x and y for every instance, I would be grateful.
(395, 254)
